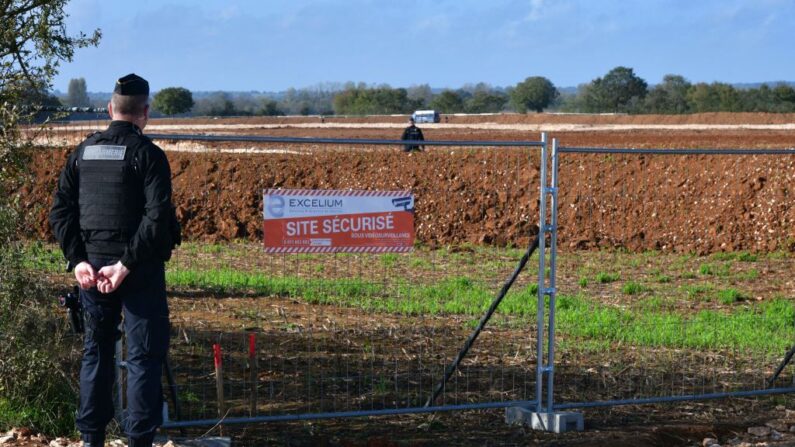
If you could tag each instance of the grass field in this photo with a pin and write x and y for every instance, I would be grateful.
(728, 300)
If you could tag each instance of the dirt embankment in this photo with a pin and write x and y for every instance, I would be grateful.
(678, 203)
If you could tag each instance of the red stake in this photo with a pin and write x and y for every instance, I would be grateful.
(217, 355)
(219, 380)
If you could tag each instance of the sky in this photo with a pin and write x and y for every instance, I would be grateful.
(272, 45)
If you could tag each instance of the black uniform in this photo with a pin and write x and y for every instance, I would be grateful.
(113, 203)
(412, 133)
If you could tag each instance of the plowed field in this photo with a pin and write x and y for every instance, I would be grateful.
(489, 195)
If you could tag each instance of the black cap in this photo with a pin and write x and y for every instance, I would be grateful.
(130, 85)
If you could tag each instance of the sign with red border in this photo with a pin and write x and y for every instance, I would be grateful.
(337, 221)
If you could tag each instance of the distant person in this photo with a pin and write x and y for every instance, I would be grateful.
(412, 133)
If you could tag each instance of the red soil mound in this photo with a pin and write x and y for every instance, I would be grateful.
(680, 203)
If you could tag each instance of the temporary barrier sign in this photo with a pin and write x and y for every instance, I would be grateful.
(331, 221)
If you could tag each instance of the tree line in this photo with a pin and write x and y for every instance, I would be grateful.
(622, 91)
(618, 91)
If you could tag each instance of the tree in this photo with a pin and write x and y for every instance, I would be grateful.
(759, 99)
(670, 96)
(620, 90)
(363, 100)
(784, 94)
(421, 95)
(448, 101)
(270, 108)
(534, 93)
(173, 100)
(33, 44)
(485, 102)
(728, 97)
(715, 97)
(702, 98)
(216, 104)
(77, 94)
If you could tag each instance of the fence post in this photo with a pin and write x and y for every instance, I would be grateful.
(544, 417)
(552, 291)
(542, 243)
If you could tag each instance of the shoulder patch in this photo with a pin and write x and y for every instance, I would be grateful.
(104, 152)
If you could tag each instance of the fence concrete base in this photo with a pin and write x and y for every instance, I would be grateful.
(552, 422)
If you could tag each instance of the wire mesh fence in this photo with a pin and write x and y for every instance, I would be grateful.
(684, 298)
(347, 332)
(660, 295)
(355, 332)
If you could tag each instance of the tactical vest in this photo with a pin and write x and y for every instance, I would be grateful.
(110, 193)
(413, 134)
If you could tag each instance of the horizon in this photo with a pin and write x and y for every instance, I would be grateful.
(561, 89)
(251, 46)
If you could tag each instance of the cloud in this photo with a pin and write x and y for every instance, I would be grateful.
(229, 12)
(536, 11)
(439, 23)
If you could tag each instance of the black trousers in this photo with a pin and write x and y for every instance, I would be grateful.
(141, 300)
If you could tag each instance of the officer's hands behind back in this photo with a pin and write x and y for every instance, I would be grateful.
(86, 275)
(110, 277)
(107, 280)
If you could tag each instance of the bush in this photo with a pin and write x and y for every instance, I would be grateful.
(34, 390)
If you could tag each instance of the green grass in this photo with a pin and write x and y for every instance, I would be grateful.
(696, 290)
(604, 277)
(458, 295)
(742, 256)
(780, 254)
(729, 296)
(51, 416)
(389, 260)
(654, 304)
(662, 279)
(43, 257)
(721, 269)
(746, 257)
(420, 263)
(749, 275)
(650, 321)
(724, 256)
(632, 288)
(765, 327)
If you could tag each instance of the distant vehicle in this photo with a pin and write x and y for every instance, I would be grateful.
(426, 116)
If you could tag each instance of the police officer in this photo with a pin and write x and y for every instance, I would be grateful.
(412, 133)
(114, 219)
